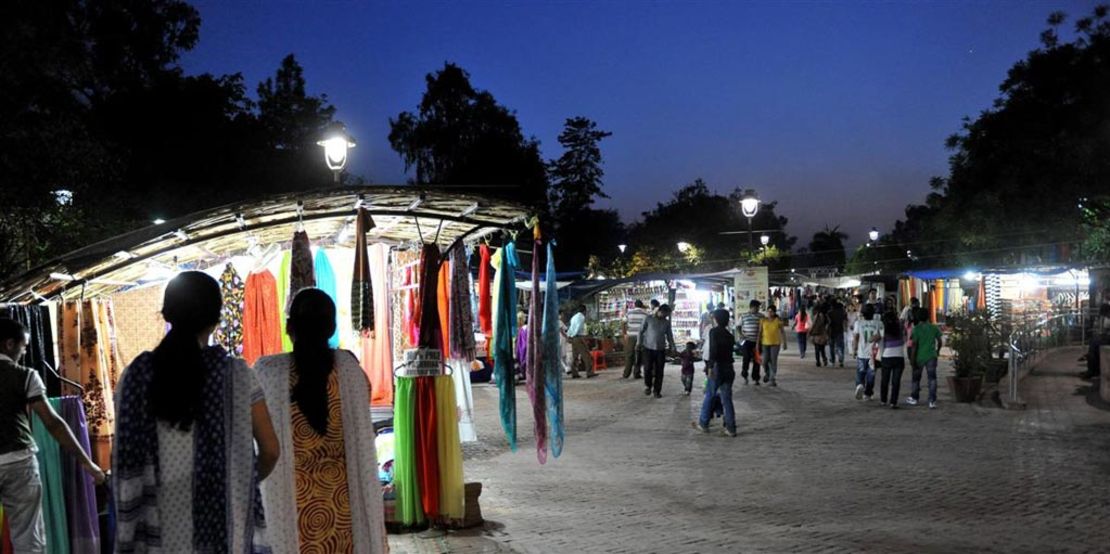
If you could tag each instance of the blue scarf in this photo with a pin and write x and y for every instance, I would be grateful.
(554, 375)
(503, 349)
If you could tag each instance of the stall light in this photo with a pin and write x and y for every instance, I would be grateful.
(683, 247)
(1029, 282)
(159, 221)
(63, 197)
(336, 145)
(765, 240)
(972, 276)
(62, 277)
(622, 247)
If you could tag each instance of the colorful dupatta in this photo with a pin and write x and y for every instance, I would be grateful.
(362, 285)
(325, 281)
(535, 378)
(410, 509)
(485, 310)
(452, 494)
(503, 341)
(553, 378)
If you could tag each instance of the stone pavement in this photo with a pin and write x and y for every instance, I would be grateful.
(813, 470)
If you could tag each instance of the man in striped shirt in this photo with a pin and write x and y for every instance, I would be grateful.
(749, 337)
(633, 356)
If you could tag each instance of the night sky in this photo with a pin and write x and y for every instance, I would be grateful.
(837, 110)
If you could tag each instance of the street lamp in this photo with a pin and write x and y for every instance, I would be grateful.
(683, 247)
(336, 144)
(765, 240)
(874, 234)
(749, 205)
(622, 247)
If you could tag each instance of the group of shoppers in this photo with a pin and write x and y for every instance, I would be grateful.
(886, 339)
(198, 465)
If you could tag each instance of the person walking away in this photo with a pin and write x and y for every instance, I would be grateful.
(772, 336)
(22, 392)
(655, 338)
(801, 327)
(688, 357)
(866, 334)
(749, 340)
(819, 333)
(722, 374)
(927, 342)
(838, 318)
(324, 494)
(906, 317)
(633, 323)
(188, 418)
(580, 350)
(893, 359)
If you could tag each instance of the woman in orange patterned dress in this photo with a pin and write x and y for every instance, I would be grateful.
(324, 495)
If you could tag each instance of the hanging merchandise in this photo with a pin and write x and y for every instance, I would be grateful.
(485, 311)
(90, 357)
(535, 373)
(504, 330)
(462, 325)
(377, 347)
(452, 498)
(283, 297)
(53, 490)
(553, 377)
(362, 289)
(40, 350)
(261, 318)
(229, 334)
(427, 310)
(427, 453)
(443, 297)
(80, 491)
(410, 509)
(325, 281)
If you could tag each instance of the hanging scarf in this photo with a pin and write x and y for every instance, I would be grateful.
(443, 297)
(485, 310)
(553, 377)
(80, 492)
(427, 312)
(462, 324)
(410, 510)
(362, 288)
(284, 295)
(229, 334)
(227, 508)
(503, 341)
(452, 494)
(325, 281)
(412, 307)
(534, 373)
(427, 453)
(377, 348)
(261, 317)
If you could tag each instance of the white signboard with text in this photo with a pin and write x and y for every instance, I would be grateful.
(751, 284)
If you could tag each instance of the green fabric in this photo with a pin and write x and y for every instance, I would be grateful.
(53, 494)
(924, 339)
(283, 298)
(410, 510)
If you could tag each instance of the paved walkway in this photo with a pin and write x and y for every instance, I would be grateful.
(813, 470)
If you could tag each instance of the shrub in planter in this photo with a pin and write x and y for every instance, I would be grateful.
(972, 338)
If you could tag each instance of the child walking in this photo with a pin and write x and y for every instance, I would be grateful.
(688, 357)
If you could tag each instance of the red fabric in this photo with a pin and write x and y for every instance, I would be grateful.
(485, 301)
(444, 297)
(427, 452)
(261, 317)
(5, 537)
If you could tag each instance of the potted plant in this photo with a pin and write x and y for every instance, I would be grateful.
(970, 338)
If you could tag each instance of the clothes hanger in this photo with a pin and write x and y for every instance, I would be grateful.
(55, 373)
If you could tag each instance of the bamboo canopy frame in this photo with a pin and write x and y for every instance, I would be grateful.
(402, 215)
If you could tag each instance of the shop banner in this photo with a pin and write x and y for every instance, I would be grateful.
(751, 284)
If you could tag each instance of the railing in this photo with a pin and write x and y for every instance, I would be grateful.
(1032, 337)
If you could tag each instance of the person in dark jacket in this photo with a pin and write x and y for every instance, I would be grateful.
(721, 375)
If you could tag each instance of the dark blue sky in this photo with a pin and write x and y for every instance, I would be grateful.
(837, 110)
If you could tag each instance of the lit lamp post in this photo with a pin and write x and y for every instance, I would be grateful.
(336, 144)
(873, 234)
(749, 204)
(622, 247)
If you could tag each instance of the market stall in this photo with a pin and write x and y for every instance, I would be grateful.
(381, 253)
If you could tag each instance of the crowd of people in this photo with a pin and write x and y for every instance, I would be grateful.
(197, 454)
(863, 329)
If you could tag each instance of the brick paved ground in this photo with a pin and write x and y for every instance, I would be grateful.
(813, 470)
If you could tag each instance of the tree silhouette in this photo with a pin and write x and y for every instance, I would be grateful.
(576, 175)
(827, 248)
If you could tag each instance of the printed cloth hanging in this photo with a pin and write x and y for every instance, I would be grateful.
(462, 322)
(452, 494)
(412, 305)
(229, 334)
(325, 281)
(427, 454)
(261, 319)
(505, 329)
(90, 357)
(80, 491)
(535, 378)
(283, 296)
(553, 377)
(53, 490)
(363, 317)
(485, 311)
(409, 508)
(443, 297)
(377, 347)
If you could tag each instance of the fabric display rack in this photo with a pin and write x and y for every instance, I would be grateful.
(414, 278)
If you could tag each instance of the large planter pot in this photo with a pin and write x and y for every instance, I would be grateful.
(965, 389)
